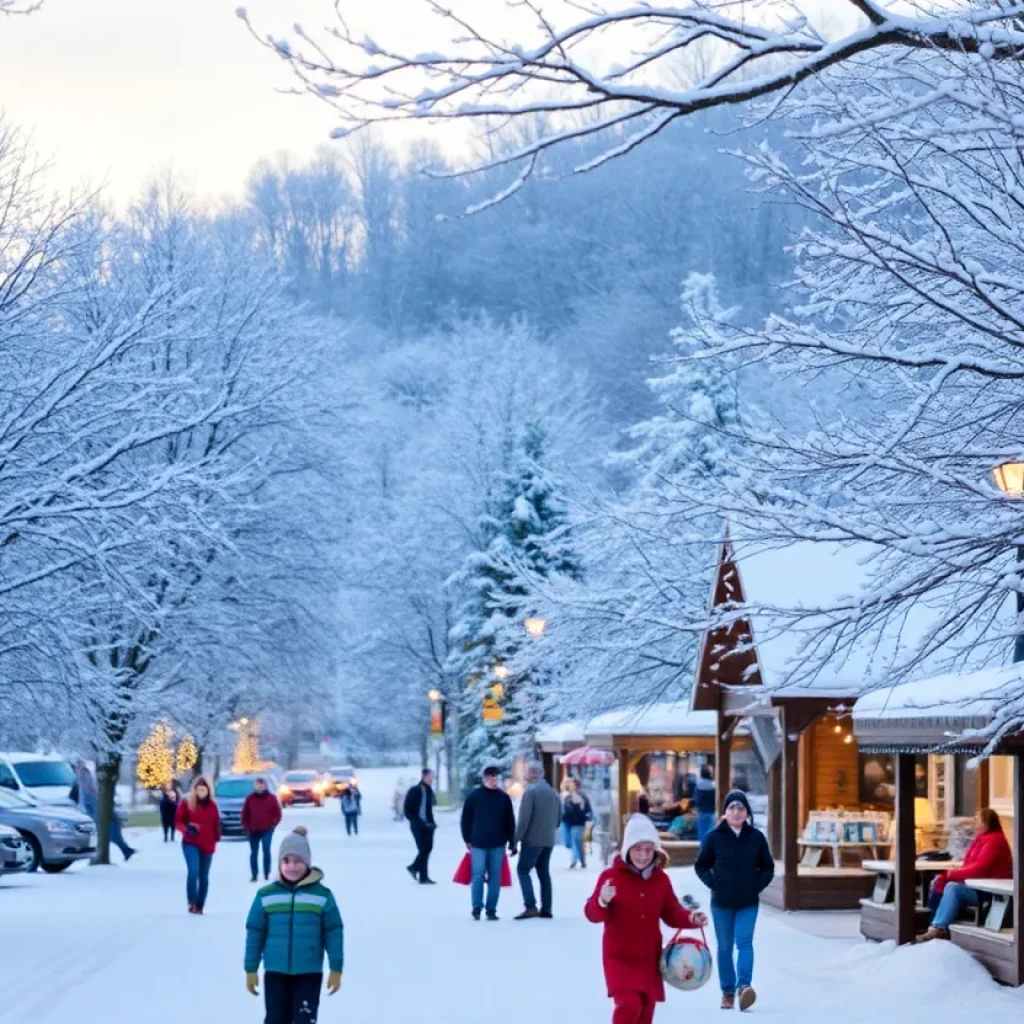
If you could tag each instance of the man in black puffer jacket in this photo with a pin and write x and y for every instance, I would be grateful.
(736, 865)
(488, 826)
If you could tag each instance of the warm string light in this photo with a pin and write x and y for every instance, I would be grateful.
(155, 762)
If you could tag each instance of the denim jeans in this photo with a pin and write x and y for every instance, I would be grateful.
(539, 857)
(351, 822)
(486, 862)
(954, 898)
(198, 883)
(256, 840)
(567, 835)
(705, 824)
(735, 929)
(576, 833)
(117, 836)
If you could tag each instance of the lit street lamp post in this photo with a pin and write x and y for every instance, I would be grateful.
(1009, 478)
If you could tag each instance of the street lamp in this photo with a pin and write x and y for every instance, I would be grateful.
(501, 672)
(434, 695)
(1009, 478)
(535, 626)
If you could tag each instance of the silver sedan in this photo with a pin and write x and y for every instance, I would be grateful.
(56, 836)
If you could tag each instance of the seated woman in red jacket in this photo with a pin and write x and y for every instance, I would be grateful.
(989, 856)
(631, 900)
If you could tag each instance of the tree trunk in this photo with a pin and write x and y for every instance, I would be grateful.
(108, 772)
(198, 767)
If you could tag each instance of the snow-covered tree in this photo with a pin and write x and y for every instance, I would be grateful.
(527, 536)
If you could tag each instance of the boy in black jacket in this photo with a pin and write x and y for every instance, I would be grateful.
(736, 865)
(488, 826)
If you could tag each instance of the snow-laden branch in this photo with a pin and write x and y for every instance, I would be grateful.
(477, 77)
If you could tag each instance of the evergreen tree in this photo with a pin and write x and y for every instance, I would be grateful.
(526, 537)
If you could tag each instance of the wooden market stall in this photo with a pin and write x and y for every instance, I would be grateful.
(751, 669)
(935, 722)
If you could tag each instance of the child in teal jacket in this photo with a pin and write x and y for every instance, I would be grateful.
(292, 923)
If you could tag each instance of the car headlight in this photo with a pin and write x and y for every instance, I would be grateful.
(318, 789)
(283, 790)
(57, 826)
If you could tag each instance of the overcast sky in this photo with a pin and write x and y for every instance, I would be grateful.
(116, 90)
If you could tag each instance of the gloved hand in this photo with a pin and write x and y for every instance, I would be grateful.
(513, 850)
(333, 982)
(252, 982)
(191, 829)
(699, 919)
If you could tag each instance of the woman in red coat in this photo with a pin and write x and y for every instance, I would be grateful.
(631, 900)
(198, 821)
(989, 856)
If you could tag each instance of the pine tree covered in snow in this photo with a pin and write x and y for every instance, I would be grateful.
(526, 536)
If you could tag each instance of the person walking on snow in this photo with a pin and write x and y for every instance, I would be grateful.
(488, 826)
(736, 865)
(704, 801)
(576, 813)
(419, 812)
(351, 807)
(540, 814)
(631, 899)
(198, 821)
(168, 809)
(292, 924)
(85, 793)
(261, 814)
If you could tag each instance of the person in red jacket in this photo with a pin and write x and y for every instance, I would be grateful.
(631, 900)
(989, 856)
(261, 814)
(198, 821)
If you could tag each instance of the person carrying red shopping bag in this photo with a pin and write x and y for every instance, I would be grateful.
(488, 827)
(631, 899)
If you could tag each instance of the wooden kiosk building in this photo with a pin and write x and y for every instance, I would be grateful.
(934, 719)
(748, 671)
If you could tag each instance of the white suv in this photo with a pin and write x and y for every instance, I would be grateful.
(46, 777)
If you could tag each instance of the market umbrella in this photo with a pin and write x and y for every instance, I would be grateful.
(587, 756)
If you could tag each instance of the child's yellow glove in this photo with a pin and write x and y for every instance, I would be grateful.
(252, 982)
(333, 982)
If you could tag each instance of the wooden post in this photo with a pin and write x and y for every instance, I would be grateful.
(775, 808)
(623, 791)
(984, 795)
(723, 760)
(790, 809)
(1017, 844)
(906, 851)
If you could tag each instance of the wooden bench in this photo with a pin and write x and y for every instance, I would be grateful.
(682, 853)
(998, 894)
(995, 949)
(813, 849)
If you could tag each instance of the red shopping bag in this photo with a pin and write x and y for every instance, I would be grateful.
(464, 872)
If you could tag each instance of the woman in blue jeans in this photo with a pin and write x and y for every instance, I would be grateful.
(736, 865)
(576, 812)
(198, 821)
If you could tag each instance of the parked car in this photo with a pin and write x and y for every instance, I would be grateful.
(338, 779)
(301, 787)
(14, 851)
(56, 836)
(231, 791)
(46, 777)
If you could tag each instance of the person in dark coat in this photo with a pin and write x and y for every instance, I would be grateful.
(419, 812)
(261, 814)
(168, 809)
(351, 807)
(736, 865)
(576, 815)
(488, 826)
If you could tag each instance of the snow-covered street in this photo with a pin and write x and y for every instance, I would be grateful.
(115, 945)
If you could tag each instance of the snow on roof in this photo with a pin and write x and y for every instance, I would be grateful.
(950, 702)
(668, 719)
(807, 600)
(564, 732)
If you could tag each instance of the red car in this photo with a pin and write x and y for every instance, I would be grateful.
(300, 788)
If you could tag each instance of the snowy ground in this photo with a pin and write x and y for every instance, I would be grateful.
(115, 945)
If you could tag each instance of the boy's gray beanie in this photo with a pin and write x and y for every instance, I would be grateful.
(296, 844)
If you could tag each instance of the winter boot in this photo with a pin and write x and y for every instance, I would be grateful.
(492, 915)
(728, 1001)
(476, 913)
(747, 997)
(528, 914)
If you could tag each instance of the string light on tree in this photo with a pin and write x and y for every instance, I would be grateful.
(188, 754)
(155, 766)
(247, 749)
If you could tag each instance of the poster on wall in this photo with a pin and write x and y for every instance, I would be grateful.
(878, 778)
